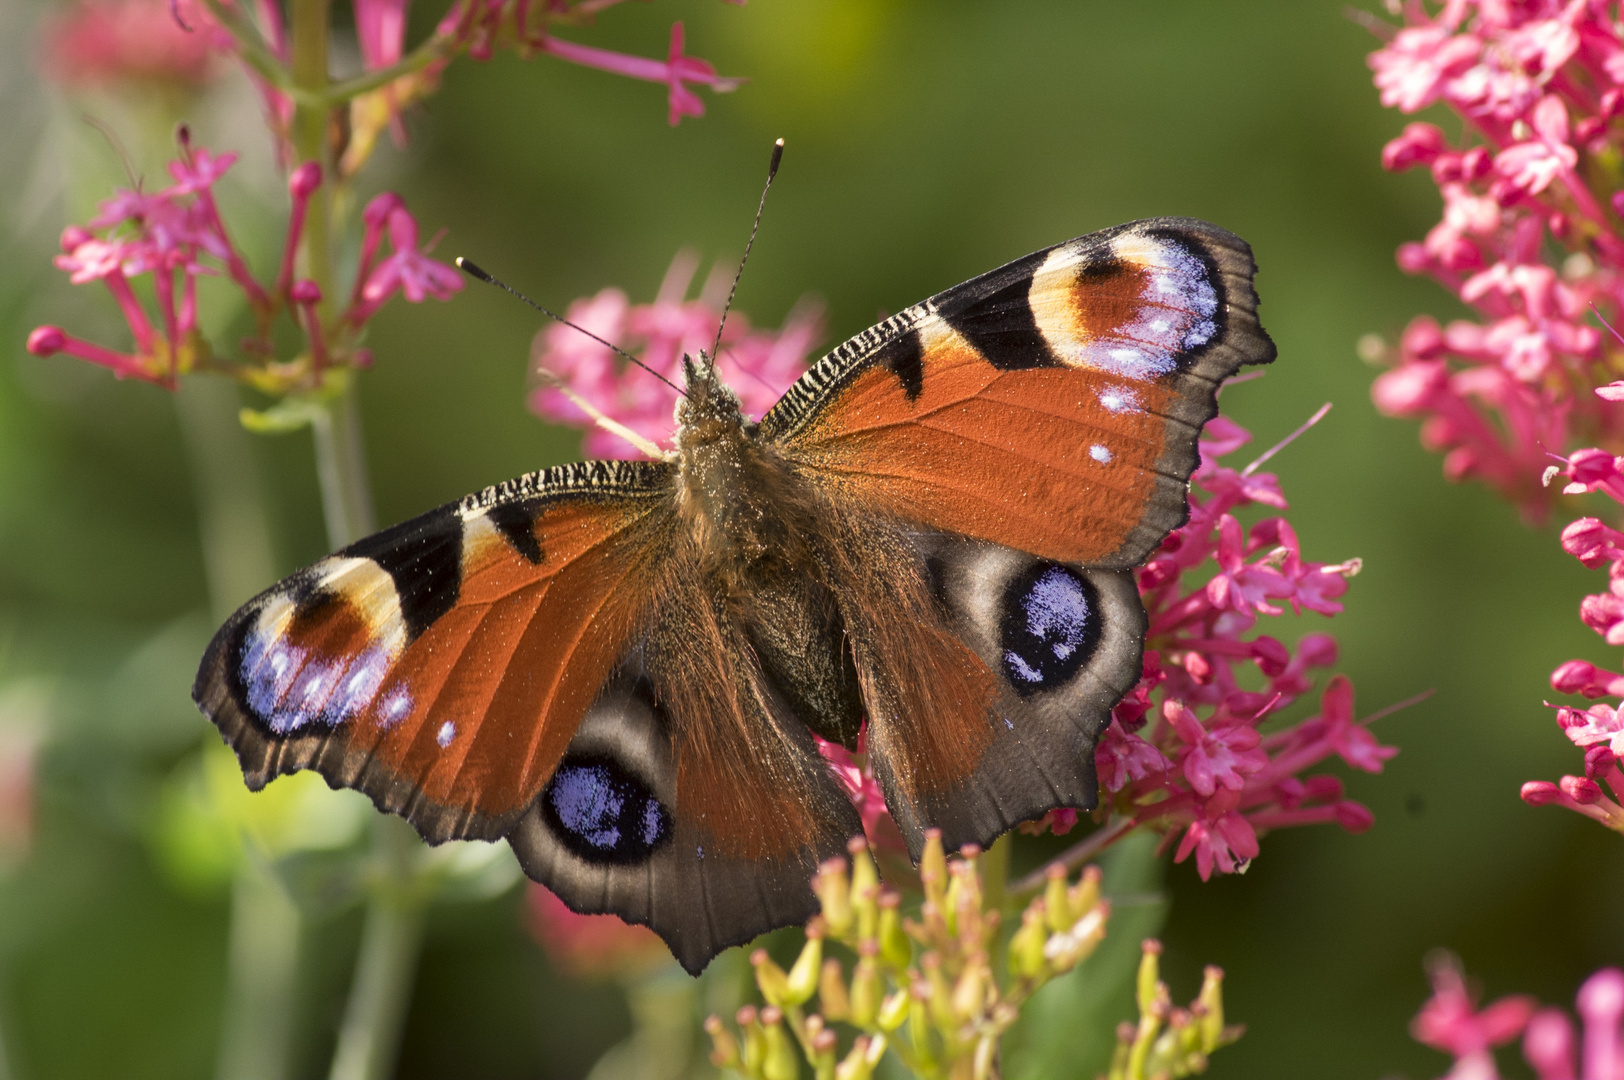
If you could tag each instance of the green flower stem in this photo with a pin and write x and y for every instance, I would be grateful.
(390, 941)
(262, 978)
(435, 48)
(260, 1010)
(346, 495)
(1085, 850)
(251, 47)
(393, 929)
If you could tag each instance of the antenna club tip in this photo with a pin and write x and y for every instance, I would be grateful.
(778, 156)
(470, 269)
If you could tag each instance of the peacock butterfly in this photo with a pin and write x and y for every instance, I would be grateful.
(619, 666)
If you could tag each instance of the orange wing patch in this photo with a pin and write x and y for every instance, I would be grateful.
(1059, 462)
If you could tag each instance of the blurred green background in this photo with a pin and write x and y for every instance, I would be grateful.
(928, 141)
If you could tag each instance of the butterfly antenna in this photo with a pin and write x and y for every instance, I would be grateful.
(772, 171)
(479, 275)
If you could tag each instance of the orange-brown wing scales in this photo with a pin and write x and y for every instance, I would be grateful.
(442, 666)
(1028, 459)
(1052, 405)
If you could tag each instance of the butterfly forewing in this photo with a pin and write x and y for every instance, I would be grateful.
(1052, 405)
(442, 666)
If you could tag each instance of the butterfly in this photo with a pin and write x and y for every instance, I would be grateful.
(619, 666)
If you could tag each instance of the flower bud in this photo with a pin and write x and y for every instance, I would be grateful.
(1026, 944)
(1055, 903)
(724, 1048)
(754, 1050)
(47, 340)
(1539, 793)
(857, 1064)
(834, 893)
(802, 982)
(894, 1010)
(895, 949)
(1212, 1008)
(832, 996)
(304, 180)
(865, 991)
(824, 1044)
(1149, 975)
(1083, 896)
(770, 978)
(970, 991)
(781, 1061)
(933, 868)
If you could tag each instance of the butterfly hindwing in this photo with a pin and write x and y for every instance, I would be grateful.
(1063, 644)
(1052, 405)
(692, 799)
(441, 666)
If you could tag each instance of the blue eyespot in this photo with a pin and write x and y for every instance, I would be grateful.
(1051, 626)
(602, 812)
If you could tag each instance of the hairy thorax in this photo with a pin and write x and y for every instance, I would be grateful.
(736, 496)
(754, 529)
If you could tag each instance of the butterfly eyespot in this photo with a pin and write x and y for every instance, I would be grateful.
(303, 665)
(1051, 626)
(603, 812)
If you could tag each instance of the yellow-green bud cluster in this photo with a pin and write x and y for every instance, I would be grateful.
(925, 988)
(1169, 1042)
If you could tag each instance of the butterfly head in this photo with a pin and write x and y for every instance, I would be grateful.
(710, 407)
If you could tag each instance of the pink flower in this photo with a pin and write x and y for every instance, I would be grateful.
(1419, 144)
(1411, 70)
(380, 27)
(407, 269)
(759, 365)
(1451, 1022)
(1221, 839)
(856, 778)
(676, 71)
(177, 235)
(1217, 756)
(1122, 758)
(1533, 164)
(105, 42)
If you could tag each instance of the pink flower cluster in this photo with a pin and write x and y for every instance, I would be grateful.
(1451, 1021)
(176, 235)
(759, 365)
(1538, 85)
(1185, 752)
(1598, 730)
